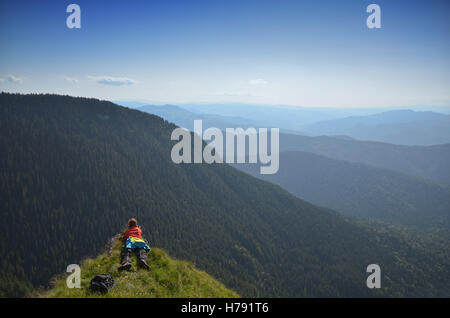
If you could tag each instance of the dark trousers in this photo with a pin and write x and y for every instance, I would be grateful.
(141, 254)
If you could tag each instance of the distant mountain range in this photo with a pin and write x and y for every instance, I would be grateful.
(185, 119)
(367, 179)
(429, 162)
(279, 116)
(405, 127)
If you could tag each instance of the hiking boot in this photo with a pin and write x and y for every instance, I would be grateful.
(125, 267)
(143, 264)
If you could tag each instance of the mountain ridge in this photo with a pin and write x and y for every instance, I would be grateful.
(428, 162)
(404, 127)
(361, 190)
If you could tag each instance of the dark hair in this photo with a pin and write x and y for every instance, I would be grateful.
(132, 222)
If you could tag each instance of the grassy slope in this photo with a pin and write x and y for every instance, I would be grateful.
(167, 278)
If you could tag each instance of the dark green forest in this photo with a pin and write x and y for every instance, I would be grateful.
(361, 190)
(73, 170)
(428, 162)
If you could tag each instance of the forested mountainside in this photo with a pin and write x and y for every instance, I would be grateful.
(361, 190)
(429, 162)
(73, 170)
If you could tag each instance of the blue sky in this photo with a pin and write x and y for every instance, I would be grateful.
(306, 53)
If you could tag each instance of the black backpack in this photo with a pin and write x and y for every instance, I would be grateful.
(102, 283)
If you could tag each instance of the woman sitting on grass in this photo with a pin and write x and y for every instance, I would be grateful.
(132, 239)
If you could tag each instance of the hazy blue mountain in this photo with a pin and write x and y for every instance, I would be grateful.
(405, 127)
(295, 118)
(360, 190)
(277, 116)
(436, 109)
(130, 103)
(431, 162)
(183, 118)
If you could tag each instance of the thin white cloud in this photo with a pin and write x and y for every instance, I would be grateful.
(113, 81)
(11, 79)
(71, 79)
(258, 81)
(233, 94)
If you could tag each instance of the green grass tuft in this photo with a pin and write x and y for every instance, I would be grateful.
(167, 278)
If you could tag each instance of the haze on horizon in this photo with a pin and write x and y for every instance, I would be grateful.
(304, 53)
